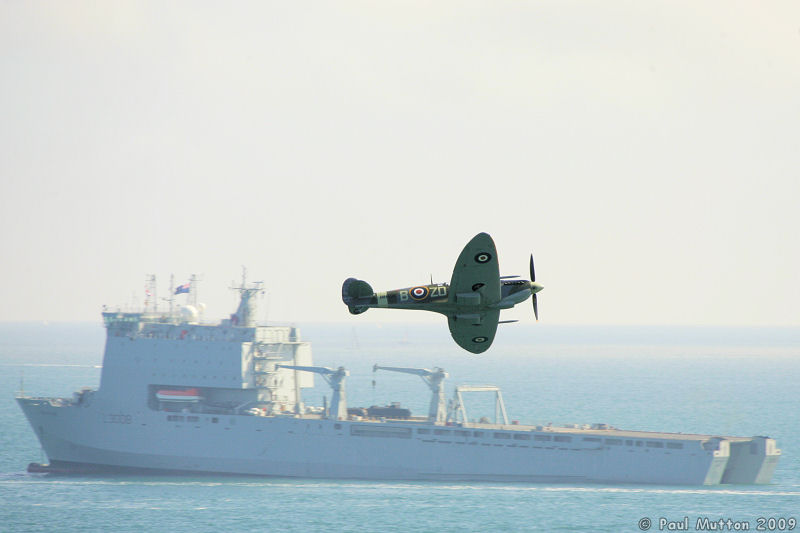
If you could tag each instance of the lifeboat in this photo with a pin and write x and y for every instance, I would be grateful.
(180, 395)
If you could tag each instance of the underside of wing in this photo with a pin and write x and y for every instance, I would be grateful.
(474, 333)
(476, 275)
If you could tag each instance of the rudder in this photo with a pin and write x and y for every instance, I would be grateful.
(353, 290)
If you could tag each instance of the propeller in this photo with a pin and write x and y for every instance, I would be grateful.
(533, 297)
(533, 272)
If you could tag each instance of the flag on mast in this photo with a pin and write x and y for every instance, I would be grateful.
(183, 288)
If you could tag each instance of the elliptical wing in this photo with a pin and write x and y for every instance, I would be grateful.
(474, 333)
(476, 274)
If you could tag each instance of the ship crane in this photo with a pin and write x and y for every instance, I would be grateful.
(335, 379)
(437, 413)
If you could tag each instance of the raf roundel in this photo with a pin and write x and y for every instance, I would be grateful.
(483, 257)
(479, 340)
(419, 293)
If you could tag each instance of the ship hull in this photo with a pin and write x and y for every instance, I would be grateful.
(81, 436)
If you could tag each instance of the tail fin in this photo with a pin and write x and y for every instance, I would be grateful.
(353, 290)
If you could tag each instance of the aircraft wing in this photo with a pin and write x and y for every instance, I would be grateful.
(476, 273)
(475, 338)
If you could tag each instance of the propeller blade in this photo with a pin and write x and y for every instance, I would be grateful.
(535, 308)
(533, 273)
(509, 277)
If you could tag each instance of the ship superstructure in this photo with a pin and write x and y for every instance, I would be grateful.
(231, 364)
(179, 394)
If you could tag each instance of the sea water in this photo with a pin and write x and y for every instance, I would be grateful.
(718, 381)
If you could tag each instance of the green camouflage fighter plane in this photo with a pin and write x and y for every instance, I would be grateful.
(472, 301)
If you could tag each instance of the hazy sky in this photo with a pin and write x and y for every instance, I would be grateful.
(646, 152)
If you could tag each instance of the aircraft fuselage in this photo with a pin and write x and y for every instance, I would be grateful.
(436, 297)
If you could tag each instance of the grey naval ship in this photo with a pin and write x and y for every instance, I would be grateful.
(178, 394)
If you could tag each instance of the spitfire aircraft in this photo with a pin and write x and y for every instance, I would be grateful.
(472, 301)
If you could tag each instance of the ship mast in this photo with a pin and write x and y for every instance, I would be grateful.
(171, 298)
(151, 295)
(193, 290)
(245, 315)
